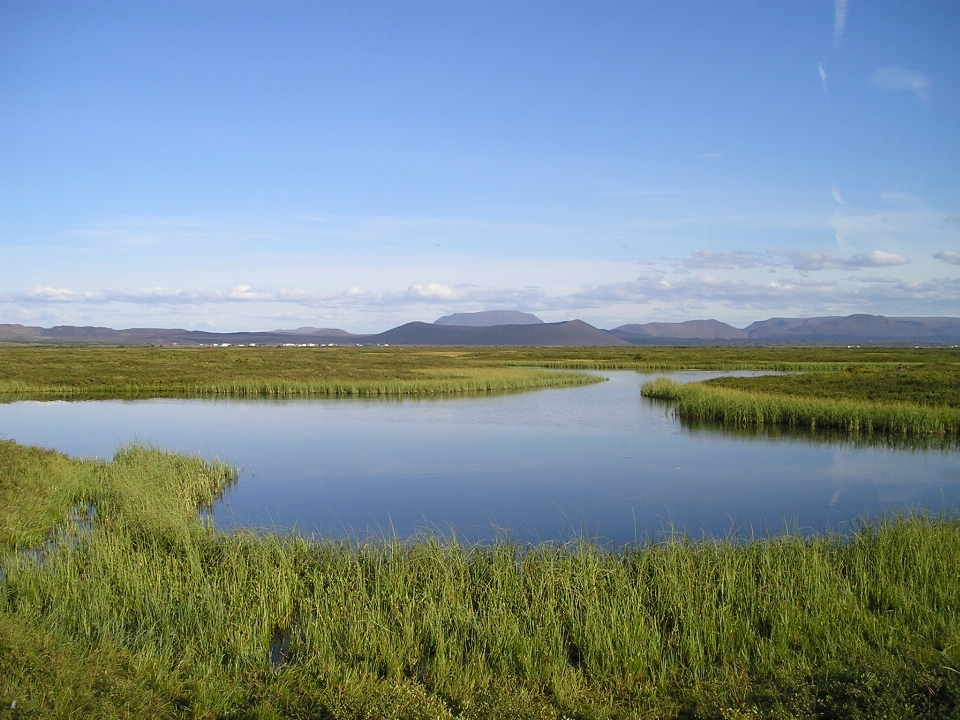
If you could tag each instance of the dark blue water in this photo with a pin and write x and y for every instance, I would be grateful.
(548, 464)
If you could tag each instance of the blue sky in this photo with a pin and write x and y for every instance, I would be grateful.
(231, 165)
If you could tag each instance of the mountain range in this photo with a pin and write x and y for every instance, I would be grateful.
(524, 329)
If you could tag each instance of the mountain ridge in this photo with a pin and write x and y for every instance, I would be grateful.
(859, 328)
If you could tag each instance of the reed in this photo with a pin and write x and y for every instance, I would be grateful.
(151, 611)
(706, 403)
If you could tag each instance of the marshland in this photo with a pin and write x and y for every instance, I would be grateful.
(127, 590)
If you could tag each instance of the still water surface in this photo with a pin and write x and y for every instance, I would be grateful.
(548, 464)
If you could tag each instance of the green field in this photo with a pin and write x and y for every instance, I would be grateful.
(142, 372)
(125, 372)
(141, 609)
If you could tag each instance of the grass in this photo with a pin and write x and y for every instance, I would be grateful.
(142, 372)
(904, 402)
(929, 385)
(150, 611)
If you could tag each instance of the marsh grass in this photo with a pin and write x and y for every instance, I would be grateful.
(150, 611)
(138, 372)
(701, 402)
(124, 372)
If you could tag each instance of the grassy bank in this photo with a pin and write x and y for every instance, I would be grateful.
(929, 384)
(141, 372)
(130, 372)
(904, 402)
(151, 612)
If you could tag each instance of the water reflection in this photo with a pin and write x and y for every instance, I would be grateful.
(822, 436)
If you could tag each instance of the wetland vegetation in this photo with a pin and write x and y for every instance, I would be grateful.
(146, 609)
(119, 597)
(138, 372)
(862, 400)
(145, 372)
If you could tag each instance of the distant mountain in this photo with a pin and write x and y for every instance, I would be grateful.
(489, 318)
(857, 328)
(689, 330)
(775, 331)
(831, 330)
(561, 334)
(165, 336)
(327, 332)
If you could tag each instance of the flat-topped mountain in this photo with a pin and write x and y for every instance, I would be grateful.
(561, 334)
(489, 318)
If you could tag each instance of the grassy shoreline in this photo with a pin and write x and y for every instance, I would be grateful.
(150, 611)
(860, 402)
(140, 372)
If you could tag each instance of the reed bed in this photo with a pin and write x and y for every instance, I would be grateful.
(704, 403)
(151, 611)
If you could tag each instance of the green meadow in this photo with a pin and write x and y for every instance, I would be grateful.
(118, 599)
(131, 372)
(144, 372)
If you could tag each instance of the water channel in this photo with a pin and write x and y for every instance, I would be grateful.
(551, 464)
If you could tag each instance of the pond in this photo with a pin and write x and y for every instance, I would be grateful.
(552, 464)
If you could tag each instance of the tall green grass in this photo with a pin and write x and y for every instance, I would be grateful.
(705, 403)
(152, 611)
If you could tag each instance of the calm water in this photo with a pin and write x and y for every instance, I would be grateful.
(546, 464)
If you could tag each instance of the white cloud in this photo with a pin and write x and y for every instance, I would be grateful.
(839, 21)
(836, 195)
(948, 256)
(813, 261)
(433, 291)
(894, 77)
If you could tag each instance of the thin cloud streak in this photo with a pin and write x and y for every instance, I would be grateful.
(839, 21)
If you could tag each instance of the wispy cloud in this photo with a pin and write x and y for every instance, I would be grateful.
(836, 195)
(151, 296)
(948, 256)
(654, 292)
(839, 21)
(894, 77)
(814, 261)
(727, 260)
(823, 78)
